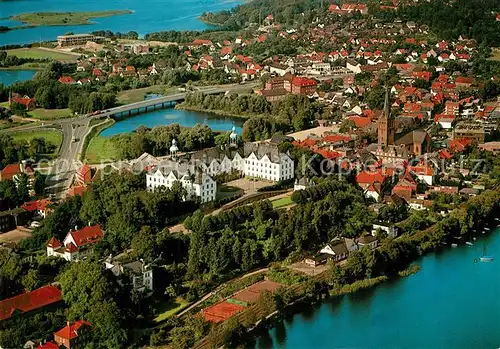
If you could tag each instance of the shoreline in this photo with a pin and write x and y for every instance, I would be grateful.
(306, 298)
(20, 67)
(215, 112)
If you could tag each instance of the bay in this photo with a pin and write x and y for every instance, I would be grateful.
(170, 116)
(452, 302)
(149, 16)
(8, 77)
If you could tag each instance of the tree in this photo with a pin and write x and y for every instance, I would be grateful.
(40, 183)
(31, 280)
(144, 244)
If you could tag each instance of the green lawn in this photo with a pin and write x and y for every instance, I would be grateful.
(282, 202)
(51, 136)
(64, 18)
(169, 309)
(50, 114)
(101, 149)
(38, 53)
(4, 124)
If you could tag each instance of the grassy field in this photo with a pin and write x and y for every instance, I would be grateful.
(38, 53)
(137, 95)
(101, 149)
(170, 309)
(4, 124)
(51, 136)
(282, 202)
(50, 114)
(64, 18)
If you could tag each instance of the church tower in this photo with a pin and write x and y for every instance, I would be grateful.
(385, 124)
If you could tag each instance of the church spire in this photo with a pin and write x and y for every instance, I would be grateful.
(386, 124)
(387, 107)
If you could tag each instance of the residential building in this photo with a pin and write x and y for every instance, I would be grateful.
(470, 130)
(84, 175)
(303, 86)
(76, 245)
(9, 220)
(27, 102)
(390, 229)
(74, 40)
(336, 249)
(368, 240)
(74, 335)
(140, 273)
(38, 207)
(12, 171)
(29, 301)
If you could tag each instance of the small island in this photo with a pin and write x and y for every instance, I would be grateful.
(64, 18)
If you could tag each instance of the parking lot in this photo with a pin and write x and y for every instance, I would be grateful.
(15, 235)
(247, 185)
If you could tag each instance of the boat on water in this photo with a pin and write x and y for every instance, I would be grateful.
(485, 257)
(468, 243)
(454, 245)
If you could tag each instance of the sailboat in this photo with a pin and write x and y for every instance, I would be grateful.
(485, 257)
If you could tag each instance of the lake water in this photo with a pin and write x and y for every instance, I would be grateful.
(451, 303)
(8, 77)
(173, 116)
(149, 16)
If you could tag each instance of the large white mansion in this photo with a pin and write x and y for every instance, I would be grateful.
(196, 172)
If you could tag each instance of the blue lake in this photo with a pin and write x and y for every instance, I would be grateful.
(8, 77)
(149, 16)
(173, 116)
(451, 303)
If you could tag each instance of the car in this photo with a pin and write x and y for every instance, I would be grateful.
(35, 224)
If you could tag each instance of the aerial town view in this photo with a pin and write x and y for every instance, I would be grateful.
(282, 174)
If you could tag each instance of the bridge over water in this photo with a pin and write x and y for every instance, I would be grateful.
(165, 101)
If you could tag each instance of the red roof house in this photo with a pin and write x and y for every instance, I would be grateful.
(84, 175)
(303, 86)
(38, 206)
(73, 335)
(66, 80)
(29, 301)
(9, 171)
(85, 236)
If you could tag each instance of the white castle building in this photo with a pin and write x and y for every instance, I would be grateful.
(197, 171)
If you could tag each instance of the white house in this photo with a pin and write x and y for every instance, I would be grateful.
(140, 273)
(372, 192)
(76, 244)
(196, 182)
(196, 171)
(337, 249)
(389, 229)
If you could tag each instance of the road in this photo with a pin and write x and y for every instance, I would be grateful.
(68, 159)
(76, 129)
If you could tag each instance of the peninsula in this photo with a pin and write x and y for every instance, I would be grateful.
(64, 18)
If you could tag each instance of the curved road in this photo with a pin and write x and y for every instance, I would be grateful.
(76, 129)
